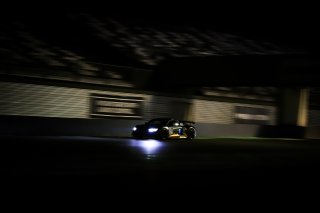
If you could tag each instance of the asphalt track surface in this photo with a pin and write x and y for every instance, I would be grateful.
(127, 164)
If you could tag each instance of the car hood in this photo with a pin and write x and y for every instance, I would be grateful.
(148, 126)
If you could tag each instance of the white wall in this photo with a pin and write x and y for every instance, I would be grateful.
(205, 111)
(64, 102)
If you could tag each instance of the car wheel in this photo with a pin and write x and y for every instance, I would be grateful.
(191, 133)
(163, 134)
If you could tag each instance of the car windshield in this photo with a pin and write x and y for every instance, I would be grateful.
(160, 121)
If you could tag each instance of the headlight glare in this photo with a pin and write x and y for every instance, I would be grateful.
(151, 130)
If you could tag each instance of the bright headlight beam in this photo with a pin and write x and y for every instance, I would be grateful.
(134, 128)
(152, 130)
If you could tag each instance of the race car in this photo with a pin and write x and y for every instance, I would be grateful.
(165, 128)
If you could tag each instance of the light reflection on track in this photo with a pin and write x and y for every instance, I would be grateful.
(148, 146)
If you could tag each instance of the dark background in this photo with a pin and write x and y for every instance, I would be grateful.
(289, 23)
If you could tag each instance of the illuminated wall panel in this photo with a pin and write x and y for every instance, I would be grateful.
(224, 112)
(49, 101)
(314, 117)
(64, 102)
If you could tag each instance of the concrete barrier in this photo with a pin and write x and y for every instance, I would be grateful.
(24, 125)
(313, 132)
(27, 125)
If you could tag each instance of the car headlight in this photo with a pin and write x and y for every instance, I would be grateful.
(134, 128)
(151, 130)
